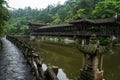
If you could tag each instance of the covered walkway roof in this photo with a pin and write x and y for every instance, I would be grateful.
(55, 26)
(96, 21)
(107, 21)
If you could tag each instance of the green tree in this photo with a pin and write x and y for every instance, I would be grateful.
(106, 9)
(4, 15)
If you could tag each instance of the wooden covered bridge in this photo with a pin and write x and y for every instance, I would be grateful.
(81, 27)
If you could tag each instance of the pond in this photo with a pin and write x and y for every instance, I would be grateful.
(69, 60)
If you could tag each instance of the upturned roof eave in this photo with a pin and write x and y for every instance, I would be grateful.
(97, 21)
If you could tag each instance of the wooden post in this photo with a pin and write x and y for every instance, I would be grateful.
(50, 74)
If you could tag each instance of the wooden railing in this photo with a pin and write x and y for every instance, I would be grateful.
(34, 60)
(77, 33)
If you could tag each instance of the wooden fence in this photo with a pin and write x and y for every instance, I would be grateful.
(34, 60)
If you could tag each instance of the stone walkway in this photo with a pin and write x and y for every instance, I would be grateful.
(13, 66)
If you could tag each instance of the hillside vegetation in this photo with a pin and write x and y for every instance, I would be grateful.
(4, 16)
(57, 14)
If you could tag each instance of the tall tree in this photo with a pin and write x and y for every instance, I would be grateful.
(107, 9)
(4, 15)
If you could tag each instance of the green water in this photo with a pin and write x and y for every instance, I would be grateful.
(111, 65)
(70, 60)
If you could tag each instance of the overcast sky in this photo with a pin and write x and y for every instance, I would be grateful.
(32, 3)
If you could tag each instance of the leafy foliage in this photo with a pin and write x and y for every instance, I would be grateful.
(104, 41)
(4, 15)
(56, 14)
(106, 9)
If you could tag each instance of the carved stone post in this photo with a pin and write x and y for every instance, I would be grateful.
(84, 61)
(100, 62)
(92, 61)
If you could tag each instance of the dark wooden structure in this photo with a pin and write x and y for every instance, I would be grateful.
(104, 27)
(81, 27)
(55, 30)
(34, 26)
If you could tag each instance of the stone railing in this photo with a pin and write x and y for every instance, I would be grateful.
(34, 60)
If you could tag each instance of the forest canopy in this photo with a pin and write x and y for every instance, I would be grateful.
(57, 14)
(4, 15)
